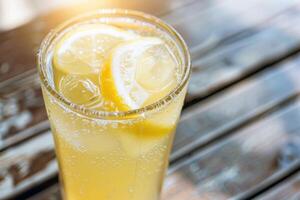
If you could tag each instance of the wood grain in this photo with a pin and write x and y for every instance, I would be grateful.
(208, 120)
(26, 165)
(204, 29)
(238, 163)
(239, 57)
(288, 189)
(23, 112)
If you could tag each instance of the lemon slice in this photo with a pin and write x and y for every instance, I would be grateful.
(138, 72)
(77, 60)
(83, 49)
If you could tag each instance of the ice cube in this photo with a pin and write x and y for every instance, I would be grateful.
(79, 90)
(156, 69)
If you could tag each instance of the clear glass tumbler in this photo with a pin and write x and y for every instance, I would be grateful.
(112, 155)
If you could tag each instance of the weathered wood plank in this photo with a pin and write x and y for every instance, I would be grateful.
(208, 120)
(206, 28)
(27, 165)
(22, 111)
(238, 163)
(237, 58)
(288, 189)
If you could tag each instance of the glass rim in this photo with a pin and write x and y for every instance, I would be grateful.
(134, 113)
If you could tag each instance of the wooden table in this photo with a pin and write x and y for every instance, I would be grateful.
(239, 134)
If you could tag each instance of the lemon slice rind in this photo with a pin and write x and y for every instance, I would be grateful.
(129, 91)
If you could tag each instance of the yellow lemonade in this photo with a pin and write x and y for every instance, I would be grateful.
(114, 83)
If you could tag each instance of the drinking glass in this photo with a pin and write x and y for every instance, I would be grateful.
(112, 155)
